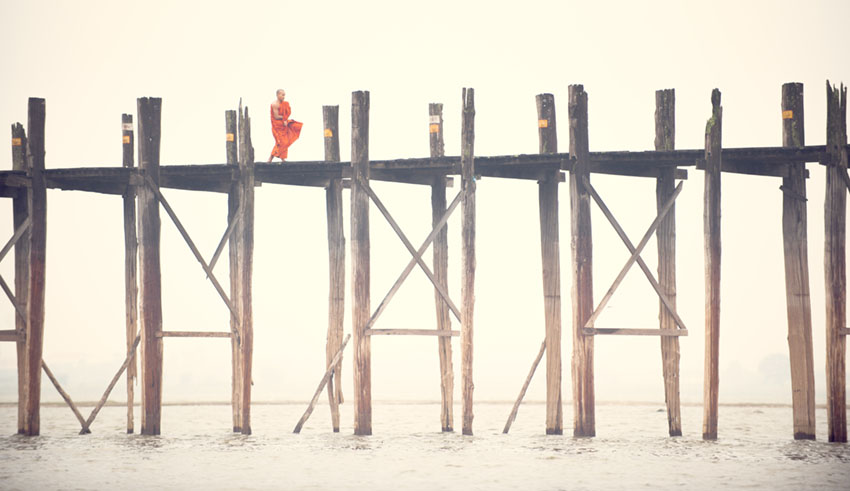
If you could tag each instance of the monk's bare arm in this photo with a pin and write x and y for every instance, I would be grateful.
(276, 111)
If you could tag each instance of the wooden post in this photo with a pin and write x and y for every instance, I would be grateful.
(551, 252)
(38, 242)
(467, 163)
(149, 111)
(360, 278)
(795, 240)
(665, 138)
(131, 248)
(835, 213)
(246, 269)
(711, 232)
(234, 197)
(584, 412)
(336, 263)
(441, 266)
(20, 213)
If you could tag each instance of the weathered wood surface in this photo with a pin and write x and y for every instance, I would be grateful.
(795, 242)
(584, 405)
(65, 396)
(711, 233)
(441, 268)
(246, 269)
(835, 272)
(360, 270)
(12, 336)
(20, 214)
(131, 251)
(131, 356)
(149, 111)
(331, 368)
(412, 332)
(468, 254)
(664, 333)
(336, 263)
(37, 270)
(515, 409)
(665, 139)
(196, 334)
(551, 265)
(235, 213)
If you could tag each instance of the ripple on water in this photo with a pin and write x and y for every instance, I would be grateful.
(197, 449)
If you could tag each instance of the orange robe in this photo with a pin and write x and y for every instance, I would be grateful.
(285, 130)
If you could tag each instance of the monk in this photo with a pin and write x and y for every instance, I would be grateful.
(285, 130)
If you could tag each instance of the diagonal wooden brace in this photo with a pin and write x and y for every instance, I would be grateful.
(417, 255)
(62, 393)
(131, 353)
(328, 374)
(18, 307)
(195, 251)
(227, 233)
(15, 237)
(635, 257)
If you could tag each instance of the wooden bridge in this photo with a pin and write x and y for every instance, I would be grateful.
(144, 190)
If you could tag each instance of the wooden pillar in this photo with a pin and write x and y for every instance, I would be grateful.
(38, 242)
(20, 212)
(441, 266)
(665, 184)
(131, 248)
(149, 111)
(795, 240)
(835, 218)
(711, 233)
(584, 405)
(234, 198)
(336, 263)
(550, 254)
(360, 279)
(246, 269)
(467, 163)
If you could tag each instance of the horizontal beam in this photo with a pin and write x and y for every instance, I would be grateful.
(10, 335)
(845, 331)
(769, 161)
(193, 334)
(592, 331)
(411, 332)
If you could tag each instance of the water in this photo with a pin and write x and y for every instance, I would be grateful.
(407, 451)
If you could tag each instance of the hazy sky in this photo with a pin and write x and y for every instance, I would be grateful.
(92, 60)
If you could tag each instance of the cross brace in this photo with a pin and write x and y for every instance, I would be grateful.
(417, 254)
(635, 257)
